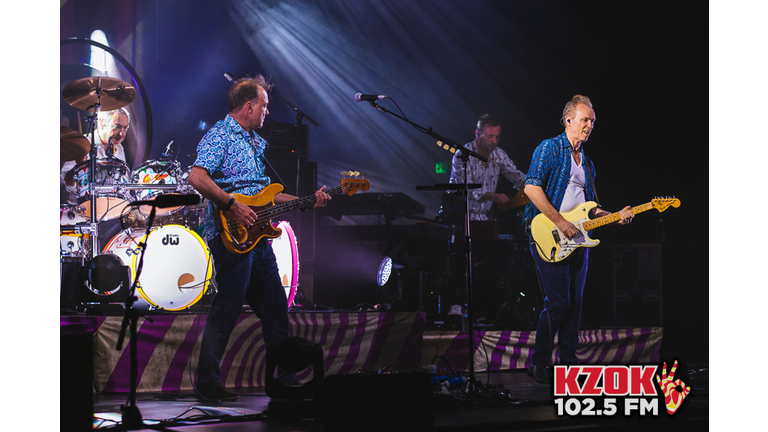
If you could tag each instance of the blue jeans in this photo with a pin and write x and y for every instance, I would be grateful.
(563, 286)
(241, 278)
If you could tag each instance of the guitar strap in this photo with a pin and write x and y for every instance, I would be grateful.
(591, 180)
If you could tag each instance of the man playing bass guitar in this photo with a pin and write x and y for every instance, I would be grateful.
(230, 159)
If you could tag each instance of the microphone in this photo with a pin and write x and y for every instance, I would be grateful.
(110, 148)
(168, 150)
(359, 97)
(170, 200)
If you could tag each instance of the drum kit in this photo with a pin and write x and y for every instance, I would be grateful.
(177, 268)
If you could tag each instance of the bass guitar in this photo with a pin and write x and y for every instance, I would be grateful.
(240, 239)
(554, 246)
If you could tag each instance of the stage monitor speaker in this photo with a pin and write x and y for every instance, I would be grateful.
(286, 141)
(375, 402)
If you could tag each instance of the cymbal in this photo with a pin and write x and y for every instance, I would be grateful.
(518, 200)
(73, 145)
(83, 93)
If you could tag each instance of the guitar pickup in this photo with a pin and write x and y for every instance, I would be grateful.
(556, 236)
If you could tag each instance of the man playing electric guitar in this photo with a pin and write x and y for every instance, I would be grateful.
(230, 159)
(559, 179)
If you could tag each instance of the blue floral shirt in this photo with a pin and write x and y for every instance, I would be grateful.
(551, 169)
(233, 158)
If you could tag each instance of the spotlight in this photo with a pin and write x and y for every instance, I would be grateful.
(106, 278)
(385, 269)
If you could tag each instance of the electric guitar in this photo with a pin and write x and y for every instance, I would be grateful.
(554, 246)
(240, 239)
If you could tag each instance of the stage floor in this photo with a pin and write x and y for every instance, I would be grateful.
(353, 342)
(530, 407)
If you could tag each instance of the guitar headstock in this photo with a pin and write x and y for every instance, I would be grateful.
(663, 203)
(353, 182)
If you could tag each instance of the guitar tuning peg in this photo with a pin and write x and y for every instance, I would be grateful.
(362, 174)
(344, 173)
(354, 173)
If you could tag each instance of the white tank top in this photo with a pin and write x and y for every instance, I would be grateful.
(574, 193)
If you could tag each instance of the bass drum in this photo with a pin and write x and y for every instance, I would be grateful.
(287, 253)
(177, 265)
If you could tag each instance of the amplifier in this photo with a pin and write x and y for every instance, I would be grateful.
(285, 140)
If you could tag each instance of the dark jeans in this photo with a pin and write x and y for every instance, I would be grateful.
(563, 285)
(241, 278)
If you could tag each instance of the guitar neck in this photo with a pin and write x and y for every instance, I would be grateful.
(272, 212)
(614, 217)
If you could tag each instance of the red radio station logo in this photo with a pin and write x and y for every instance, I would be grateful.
(609, 390)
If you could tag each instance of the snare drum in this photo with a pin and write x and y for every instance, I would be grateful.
(177, 265)
(287, 254)
(156, 172)
(109, 203)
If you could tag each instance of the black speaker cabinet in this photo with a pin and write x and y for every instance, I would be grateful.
(286, 141)
(637, 285)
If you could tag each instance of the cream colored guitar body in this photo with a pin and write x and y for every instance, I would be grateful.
(554, 246)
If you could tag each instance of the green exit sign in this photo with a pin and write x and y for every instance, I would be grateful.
(441, 168)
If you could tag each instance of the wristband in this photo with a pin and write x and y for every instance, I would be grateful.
(229, 204)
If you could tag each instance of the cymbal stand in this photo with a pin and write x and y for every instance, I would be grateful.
(464, 154)
(94, 226)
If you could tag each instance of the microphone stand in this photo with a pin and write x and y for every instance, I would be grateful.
(132, 419)
(299, 114)
(94, 226)
(464, 154)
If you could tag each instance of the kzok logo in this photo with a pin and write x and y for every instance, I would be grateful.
(616, 381)
(634, 384)
(171, 239)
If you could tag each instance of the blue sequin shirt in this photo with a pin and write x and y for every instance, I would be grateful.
(551, 169)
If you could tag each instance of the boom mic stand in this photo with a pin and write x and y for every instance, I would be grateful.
(132, 419)
(464, 154)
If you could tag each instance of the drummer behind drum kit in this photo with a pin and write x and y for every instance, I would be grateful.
(177, 268)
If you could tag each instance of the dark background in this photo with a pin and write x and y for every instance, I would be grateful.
(445, 63)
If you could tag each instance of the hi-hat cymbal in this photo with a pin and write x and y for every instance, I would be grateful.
(84, 93)
(74, 146)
